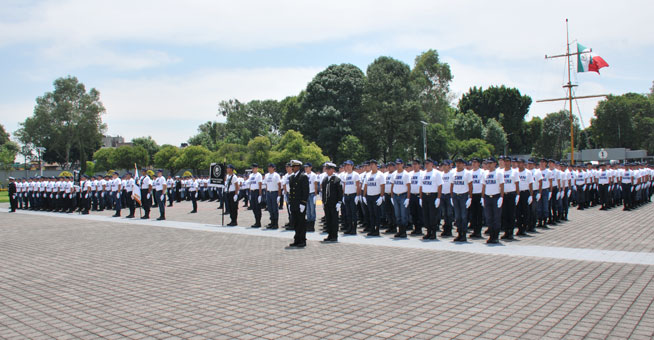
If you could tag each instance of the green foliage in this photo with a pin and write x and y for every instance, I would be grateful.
(440, 141)
(90, 168)
(246, 121)
(624, 121)
(67, 122)
(194, 157)
(234, 154)
(103, 159)
(65, 174)
(149, 145)
(294, 146)
(124, 157)
(432, 79)
(555, 135)
(506, 105)
(332, 106)
(211, 135)
(468, 125)
(473, 148)
(4, 135)
(166, 158)
(259, 151)
(534, 129)
(351, 148)
(292, 112)
(494, 135)
(8, 152)
(393, 111)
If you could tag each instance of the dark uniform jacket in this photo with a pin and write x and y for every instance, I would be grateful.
(12, 188)
(332, 190)
(299, 193)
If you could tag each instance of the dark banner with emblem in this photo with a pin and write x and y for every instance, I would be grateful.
(217, 174)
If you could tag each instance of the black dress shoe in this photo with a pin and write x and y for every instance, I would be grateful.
(416, 233)
(492, 241)
(461, 239)
(129, 216)
(330, 240)
(193, 211)
(144, 217)
(373, 233)
(521, 233)
(400, 235)
(161, 219)
(475, 235)
(445, 234)
(115, 215)
(298, 245)
(350, 233)
(231, 224)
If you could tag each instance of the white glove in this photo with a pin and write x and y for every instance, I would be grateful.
(277, 200)
(568, 193)
(468, 202)
(37, 196)
(117, 195)
(530, 200)
(148, 196)
(258, 198)
(499, 202)
(380, 200)
(438, 202)
(302, 207)
(632, 188)
(102, 194)
(162, 197)
(356, 200)
(584, 187)
(196, 196)
(13, 196)
(338, 206)
(51, 195)
(549, 195)
(364, 200)
(574, 187)
(638, 187)
(343, 200)
(482, 203)
(406, 203)
(57, 196)
(451, 202)
(86, 196)
(392, 201)
(315, 199)
(235, 197)
(517, 199)
(538, 196)
(420, 202)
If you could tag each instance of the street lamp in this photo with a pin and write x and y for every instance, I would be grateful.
(424, 139)
(40, 150)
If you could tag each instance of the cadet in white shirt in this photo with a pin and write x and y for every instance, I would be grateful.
(160, 187)
(351, 196)
(461, 189)
(194, 187)
(388, 201)
(524, 198)
(476, 210)
(431, 185)
(116, 189)
(447, 210)
(415, 210)
(273, 194)
(313, 197)
(254, 184)
(374, 196)
(511, 199)
(232, 187)
(400, 196)
(493, 193)
(170, 188)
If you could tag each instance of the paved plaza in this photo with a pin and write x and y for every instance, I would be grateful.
(87, 277)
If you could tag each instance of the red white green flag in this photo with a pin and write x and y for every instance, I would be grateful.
(586, 61)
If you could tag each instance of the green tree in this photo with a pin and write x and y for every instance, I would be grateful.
(67, 122)
(234, 154)
(8, 152)
(166, 158)
(103, 159)
(293, 146)
(4, 135)
(614, 124)
(90, 168)
(494, 135)
(506, 105)
(468, 125)
(259, 151)
(292, 112)
(390, 101)
(534, 129)
(440, 141)
(124, 157)
(332, 106)
(351, 148)
(194, 157)
(432, 79)
(555, 136)
(211, 135)
(474, 147)
(149, 145)
(246, 121)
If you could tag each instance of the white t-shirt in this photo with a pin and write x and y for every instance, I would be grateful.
(254, 180)
(115, 184)
(374, 183)
(415, 181)
(447, 178)
(350, 183)
(272, 181)
(400, 180)
(510, 180)
(389, 182)
(547, 175)
(477, 176)
(603, 177)
(311, 176)
(525, 178)
(159, 183)
(430, 181)
(492, 180)
(460, 181)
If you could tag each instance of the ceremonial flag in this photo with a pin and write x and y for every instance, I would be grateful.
(136, 190)
(586, 61)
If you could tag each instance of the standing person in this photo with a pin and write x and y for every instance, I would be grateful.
(543, 200)
(511, 190)
(170, 188)
(232, 187)
(461, 189)
(146, 193)
(373, 196)
(313, 197)
(537, 176)
(493, 193)
(388, 201)
(447, 211)
(273, 194)
(415, 209)
(401, 195)
(194, 186)
(555, 200)
(298, 196)
(287, 189)
(254, 184)
(526, 189)
(86, 194)
(332, 196)
(603, 181)
(13, 200)
(351, 193)
(130, 186)
(431, 186)
(160, 194)
(476, 210)
(580, 183)
(116, 189)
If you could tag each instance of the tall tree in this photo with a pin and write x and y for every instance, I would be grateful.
(614, 125)
(259, 151)
(332, 106)
(124, 157)
(166, 158)
(292, 112)
(211, 135)
(8, 152)
(194, 157)
(103, 159)
(504, 104)
(67, 122)
(432, 79)
(150, 145)
(390, 101)
(4, 135)
(555, 136)
(352, 149)
(246, 121)
(494, 135)
(468, 125)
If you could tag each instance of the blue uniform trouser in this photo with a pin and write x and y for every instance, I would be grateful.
(271, 205)
(160, 202)
(401, 212)
(117, 203)
(374, 212)
(447, 212)
(555, 203)
(493, 215)
(350, 212)
(311, 209)
(416, 212)
(256, 207)
(544, 205)
(461, 213)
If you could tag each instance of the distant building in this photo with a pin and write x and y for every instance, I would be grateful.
(112, 142)
(609, 154)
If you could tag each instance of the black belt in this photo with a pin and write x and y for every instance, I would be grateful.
(493, 196)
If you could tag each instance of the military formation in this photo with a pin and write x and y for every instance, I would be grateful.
(510, 197)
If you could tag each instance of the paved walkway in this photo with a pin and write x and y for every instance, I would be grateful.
(72, 276)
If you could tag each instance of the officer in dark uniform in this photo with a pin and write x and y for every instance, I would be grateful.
(13, 202)
(332, 195)
(231, 195)
(297, 200)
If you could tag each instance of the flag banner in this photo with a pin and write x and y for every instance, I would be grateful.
(136, 190)
(586, 61)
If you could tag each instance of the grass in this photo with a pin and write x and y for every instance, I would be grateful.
(4, 196)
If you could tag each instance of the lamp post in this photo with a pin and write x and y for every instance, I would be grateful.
(40, 150)
(424, 140)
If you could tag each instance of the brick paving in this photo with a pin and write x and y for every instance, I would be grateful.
(73, 278)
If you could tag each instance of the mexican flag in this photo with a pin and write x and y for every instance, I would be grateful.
(586, 61)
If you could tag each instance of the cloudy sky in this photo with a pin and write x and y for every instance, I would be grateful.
(163, 66)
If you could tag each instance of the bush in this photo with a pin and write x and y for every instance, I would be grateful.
(65, 174)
